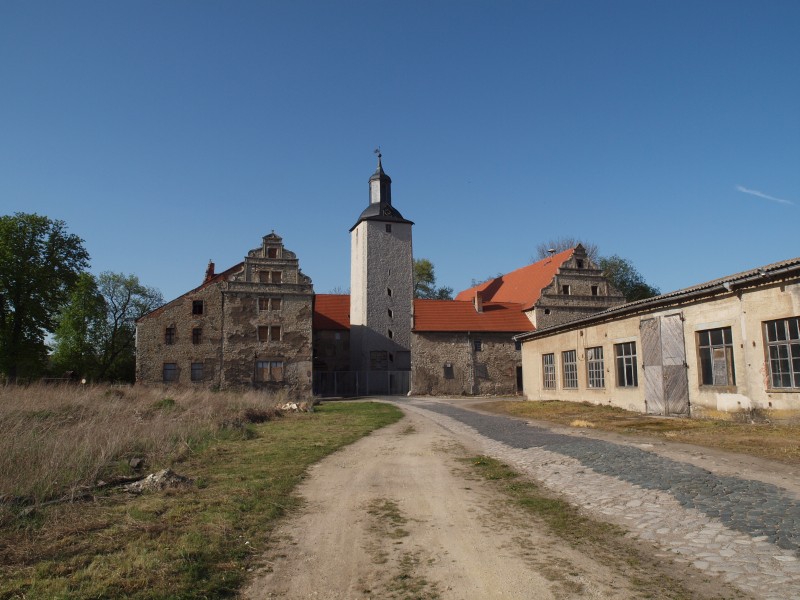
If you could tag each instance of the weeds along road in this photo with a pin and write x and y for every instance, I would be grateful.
(407, 513)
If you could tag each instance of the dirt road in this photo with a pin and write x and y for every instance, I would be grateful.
(399, 515)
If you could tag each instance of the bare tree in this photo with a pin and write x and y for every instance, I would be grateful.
(564, 243)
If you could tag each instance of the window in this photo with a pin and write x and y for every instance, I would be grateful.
(478, 345)
(580, 263)
(269, 333)
(197, 307)
(595, 290)
(391, 314)
(269, 304)
(388, 228)
(570, 363)
(388, 291)
(626, 364)
(448, 371)
(783, 346)
(518, 346)
(272, 253)
(276, 277)
(269, 370)
(549, 371)
(263, 276)
(169, 336)
(595, 367)
(565, 290)
(378, 360)
(197, 335)
(391, 334)
(197, 371)
(715, 348)
(170, 372)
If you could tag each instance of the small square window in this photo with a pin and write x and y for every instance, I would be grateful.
(197, 335)
(477, 345)
(169, 336)
(170, 372)
(565, 290)
(388, 228)
(197, 307)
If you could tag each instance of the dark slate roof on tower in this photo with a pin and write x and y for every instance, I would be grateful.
(381, 211)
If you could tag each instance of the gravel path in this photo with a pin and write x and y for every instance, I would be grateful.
(744, 530)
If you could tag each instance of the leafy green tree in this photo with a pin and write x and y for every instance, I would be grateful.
(97, 333)
(80, 330)
(39, 265)
(624, 276)
(425, 282)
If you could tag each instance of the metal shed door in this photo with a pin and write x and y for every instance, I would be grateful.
(666, 384)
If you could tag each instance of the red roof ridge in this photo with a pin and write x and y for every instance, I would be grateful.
(523, 285)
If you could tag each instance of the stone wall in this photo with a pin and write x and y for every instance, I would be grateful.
(447, 363)
(153, 351)
(261, 311)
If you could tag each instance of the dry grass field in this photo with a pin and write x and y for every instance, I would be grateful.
(56, 440)
(194, 541)
(773, 440)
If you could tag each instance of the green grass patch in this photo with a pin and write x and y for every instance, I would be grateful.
(185, 543)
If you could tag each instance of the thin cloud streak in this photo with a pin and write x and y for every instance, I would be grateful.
(744, 190)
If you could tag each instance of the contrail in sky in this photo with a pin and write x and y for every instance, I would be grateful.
(744, 190)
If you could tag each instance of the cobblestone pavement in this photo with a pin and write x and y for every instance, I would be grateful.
(745, 531)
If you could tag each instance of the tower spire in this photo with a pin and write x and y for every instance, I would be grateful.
(380, 184)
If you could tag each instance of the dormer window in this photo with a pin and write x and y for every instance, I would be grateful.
(579, 262)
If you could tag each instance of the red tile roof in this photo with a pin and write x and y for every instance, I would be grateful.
(523, 286)
(453, 315)
(331, 312)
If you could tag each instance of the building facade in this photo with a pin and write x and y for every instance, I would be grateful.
(727, 345)
(248, 326)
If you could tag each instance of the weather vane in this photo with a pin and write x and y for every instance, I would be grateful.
(378, 151)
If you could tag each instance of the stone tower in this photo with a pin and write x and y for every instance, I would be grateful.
(381, 284)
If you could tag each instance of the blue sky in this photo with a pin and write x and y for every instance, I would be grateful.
(169, 133)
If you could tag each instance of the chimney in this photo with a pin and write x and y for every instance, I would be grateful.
(478, 302)
(209, 272)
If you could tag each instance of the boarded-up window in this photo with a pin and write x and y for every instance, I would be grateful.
(269, 304)
(263, 333)
(269, 370)
(275, 333)
(263, 276)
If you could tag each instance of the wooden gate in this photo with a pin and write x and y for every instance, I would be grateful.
(666, 384)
